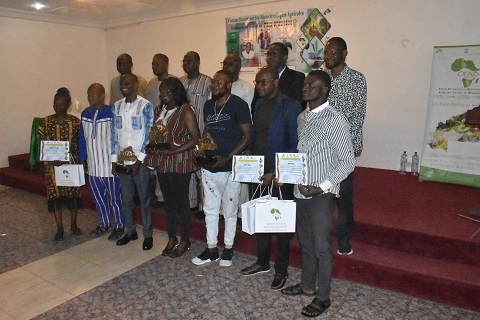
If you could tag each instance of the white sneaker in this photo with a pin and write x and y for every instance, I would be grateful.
(227, 256)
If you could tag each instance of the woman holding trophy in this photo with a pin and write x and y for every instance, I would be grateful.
(171, 151)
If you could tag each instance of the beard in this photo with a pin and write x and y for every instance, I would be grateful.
(218, 96)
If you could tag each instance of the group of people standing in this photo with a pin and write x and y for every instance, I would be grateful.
(320, 115)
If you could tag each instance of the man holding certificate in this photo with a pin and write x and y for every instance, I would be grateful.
(323, 135)
(228, 123)
(274, 130)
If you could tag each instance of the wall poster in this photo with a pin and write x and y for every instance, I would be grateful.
(302, 31)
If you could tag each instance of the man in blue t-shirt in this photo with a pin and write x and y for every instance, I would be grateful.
(227, 120)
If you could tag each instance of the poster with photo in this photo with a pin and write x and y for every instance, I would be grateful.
(302, 31)
(452, 147)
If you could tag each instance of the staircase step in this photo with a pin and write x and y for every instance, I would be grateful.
(436, 246)
(30, 181)
(34, 182)
(21, 161)
(433, 279)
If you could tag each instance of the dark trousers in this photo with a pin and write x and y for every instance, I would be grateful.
(314, 228)
(345, 220)
(264, 240)
(174, 188)
(140, 182)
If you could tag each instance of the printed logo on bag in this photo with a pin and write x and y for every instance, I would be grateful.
(276, 213)
(66, 173)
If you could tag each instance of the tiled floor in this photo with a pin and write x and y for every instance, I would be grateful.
(92, 278)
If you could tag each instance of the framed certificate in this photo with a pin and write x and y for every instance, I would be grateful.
(247, 168)
(291, 168)
(54, 150)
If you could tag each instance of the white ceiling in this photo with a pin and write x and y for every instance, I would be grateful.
(113, 13)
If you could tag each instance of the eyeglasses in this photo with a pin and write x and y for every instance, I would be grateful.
(262, 82)
(273, 53)
(229, 63)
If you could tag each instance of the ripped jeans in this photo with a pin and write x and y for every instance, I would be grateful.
(220, 190)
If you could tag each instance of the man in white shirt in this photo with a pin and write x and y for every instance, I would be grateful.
(133, 119)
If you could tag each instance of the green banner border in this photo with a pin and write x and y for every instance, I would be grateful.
(431, 174)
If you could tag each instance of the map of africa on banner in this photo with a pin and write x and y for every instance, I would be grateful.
(451, 151)
(302, 31)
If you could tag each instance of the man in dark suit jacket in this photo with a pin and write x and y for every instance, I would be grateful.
(291, 81)
(274, 130)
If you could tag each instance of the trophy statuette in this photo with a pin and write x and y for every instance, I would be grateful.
(157, 135)
(126, 158)
(207, 149)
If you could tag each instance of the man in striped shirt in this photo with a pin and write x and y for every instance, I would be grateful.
(323, 135)
(95, 153)
(198, 89)
(349, 96)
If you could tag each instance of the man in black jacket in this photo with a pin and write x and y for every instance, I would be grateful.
(290, 81)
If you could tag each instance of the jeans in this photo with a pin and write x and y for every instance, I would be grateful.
(219, 191)
(314, 228)
(141, 182)
(345, 214)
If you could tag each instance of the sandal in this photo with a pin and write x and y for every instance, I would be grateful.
(296, 290)
(171, 245)
(315, 308)
(177, 252)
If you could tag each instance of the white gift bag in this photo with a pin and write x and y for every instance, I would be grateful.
(267, 214)
(275, 216)
(69, 175)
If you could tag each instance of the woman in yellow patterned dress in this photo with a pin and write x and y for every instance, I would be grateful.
(61, 127)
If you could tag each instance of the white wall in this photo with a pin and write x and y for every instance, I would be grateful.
(36, 58)
(390, 41)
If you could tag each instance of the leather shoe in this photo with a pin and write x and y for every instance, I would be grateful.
(171, 245)
(127, 238)
(254, 269)
(279, 281)
(179, 250)
(147, 243)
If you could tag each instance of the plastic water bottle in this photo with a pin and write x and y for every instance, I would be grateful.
(403, 163)
(415, 161)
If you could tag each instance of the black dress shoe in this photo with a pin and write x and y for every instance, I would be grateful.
(254, 269)
(126, 239)
(147, 243)
(279, 281)
(180, 249)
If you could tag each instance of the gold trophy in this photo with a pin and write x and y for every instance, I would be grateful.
(126, 158)
(207, 149)
(157, 136)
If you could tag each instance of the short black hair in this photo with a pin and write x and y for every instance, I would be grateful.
(282, 46)
(228, 74)
(322, 76)
(339, 41)
(134, 77)
(125, 55)
(162, 57)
